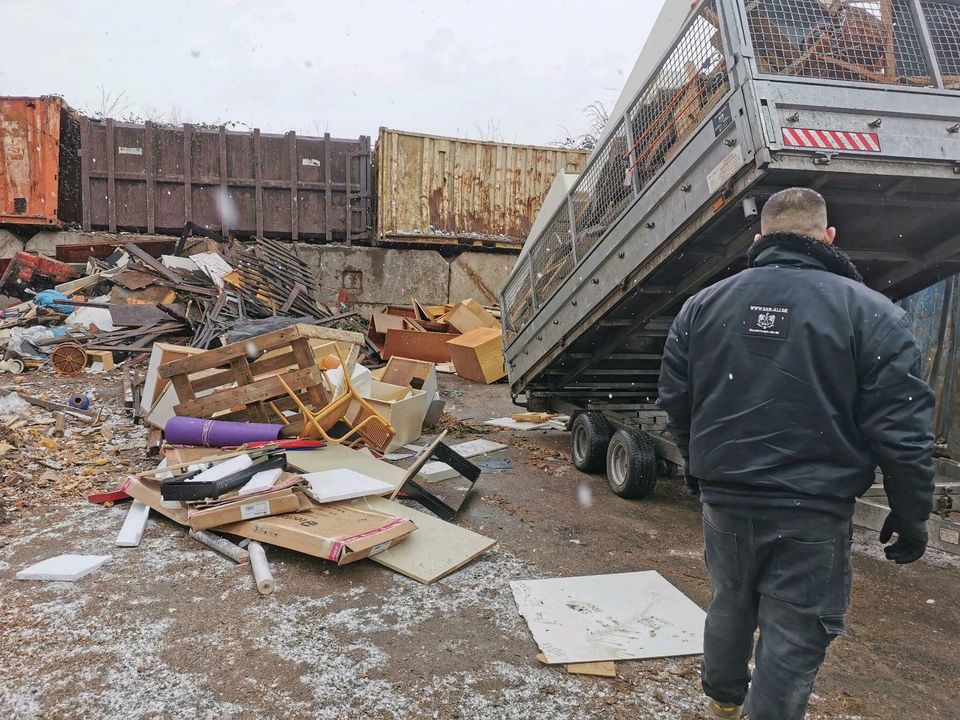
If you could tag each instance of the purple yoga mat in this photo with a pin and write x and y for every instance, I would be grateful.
(217, 433)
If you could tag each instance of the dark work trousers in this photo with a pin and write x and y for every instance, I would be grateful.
(787, 571)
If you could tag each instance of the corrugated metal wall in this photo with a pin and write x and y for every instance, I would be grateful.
(936, 324)
(154, 178)
(435, 187)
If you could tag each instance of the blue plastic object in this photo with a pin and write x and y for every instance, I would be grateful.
(49, 299)
(80, 402)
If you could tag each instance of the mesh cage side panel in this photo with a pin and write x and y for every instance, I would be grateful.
(518, 302)
(602, 192)
(871, 42)
(553, 254)
(690, 84)
(943, 22)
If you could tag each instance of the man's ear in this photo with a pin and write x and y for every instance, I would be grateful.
(829, 235)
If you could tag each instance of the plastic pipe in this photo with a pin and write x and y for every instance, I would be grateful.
(261, 570)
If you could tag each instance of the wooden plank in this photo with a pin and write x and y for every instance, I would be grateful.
(265, 389)
(606, 668)
(241, 372)
(303, 354)
(271, 341)
(435, 550)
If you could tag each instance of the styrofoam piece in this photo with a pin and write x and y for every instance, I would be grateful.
(221, 470)
(63, 568)
(435, 471)
(626, 616)
(395, 456)
(344, 484)
(261, 569)
(133, 526)
(511, 424)
(261, 481)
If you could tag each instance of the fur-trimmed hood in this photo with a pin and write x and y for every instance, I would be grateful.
(831, 258)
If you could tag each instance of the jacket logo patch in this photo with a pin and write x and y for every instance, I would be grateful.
(766, 321)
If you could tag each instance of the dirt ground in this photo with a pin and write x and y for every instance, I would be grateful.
(172, 630)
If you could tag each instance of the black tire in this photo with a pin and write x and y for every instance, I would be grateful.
(631, 465)
(588, 442)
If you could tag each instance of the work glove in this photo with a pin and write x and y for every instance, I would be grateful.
(691, 484)
(911, 541)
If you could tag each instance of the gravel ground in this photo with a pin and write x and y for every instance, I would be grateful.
(172, 630)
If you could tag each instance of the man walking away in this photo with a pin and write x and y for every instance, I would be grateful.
(786, 385)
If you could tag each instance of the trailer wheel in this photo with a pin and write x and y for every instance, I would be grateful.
(588, 442)
(631, 465)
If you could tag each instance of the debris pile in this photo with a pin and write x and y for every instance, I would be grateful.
(120, 306)
(464, 338)
(282, 438)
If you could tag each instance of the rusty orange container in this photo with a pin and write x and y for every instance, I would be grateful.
(39, 162)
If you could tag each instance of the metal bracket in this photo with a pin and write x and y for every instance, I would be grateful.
(823, 158)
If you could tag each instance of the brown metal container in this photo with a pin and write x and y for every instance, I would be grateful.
(154, 178)
(39, 162)
(451, 191)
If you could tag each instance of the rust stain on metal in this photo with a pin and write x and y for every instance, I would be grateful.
(33, 163)
(429, 186)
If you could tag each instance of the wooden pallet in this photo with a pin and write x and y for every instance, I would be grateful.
(244, 376)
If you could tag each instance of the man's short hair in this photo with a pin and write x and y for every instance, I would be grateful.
(797, 210)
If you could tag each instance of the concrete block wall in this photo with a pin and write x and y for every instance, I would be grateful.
(370, 277)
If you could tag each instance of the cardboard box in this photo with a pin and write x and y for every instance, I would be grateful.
(478, 355)
(339, 532)
(402, 407)
(276, 502)
(406, 372)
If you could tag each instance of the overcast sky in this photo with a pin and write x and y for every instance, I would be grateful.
(522, 71)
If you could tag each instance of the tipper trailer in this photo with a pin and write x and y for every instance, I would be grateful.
(859, 100)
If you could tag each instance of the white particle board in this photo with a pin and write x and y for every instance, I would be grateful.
(336, 457)
(435, 471)
(344, 484)
(261, 481)
(65, 568)
(133, 526)
(432, 551)
(625, 616)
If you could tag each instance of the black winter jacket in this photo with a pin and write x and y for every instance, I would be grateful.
(790, 382)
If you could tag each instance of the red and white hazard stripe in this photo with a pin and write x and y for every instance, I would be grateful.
(841, 140)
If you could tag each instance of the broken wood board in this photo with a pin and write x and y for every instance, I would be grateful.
(571, 618)
(432, 551)
(337, 457)
(606, 668)
(600, 669)
(435, 471)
